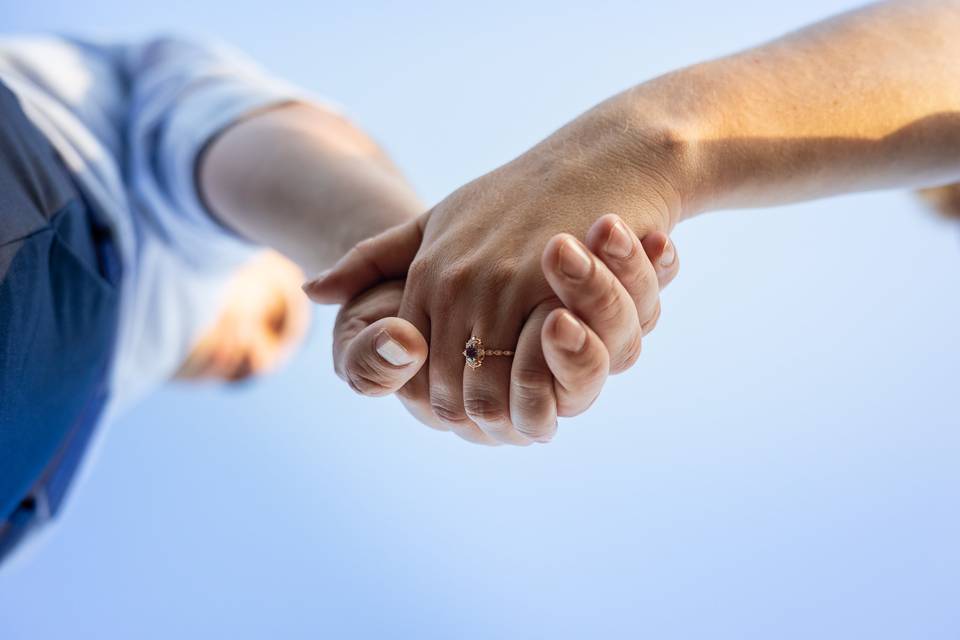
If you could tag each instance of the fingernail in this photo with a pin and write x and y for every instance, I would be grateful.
(668, 256)
(391, 350)
(569, 333)
(619, 243)
(574, 261)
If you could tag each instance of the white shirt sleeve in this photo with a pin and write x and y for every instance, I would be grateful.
(130, 122)
(182, 94)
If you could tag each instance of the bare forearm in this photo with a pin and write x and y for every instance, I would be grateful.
(304, 181)
(866, 100)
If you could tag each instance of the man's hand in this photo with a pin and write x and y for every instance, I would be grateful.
(262, 320)
(378, 354)
(473, 268)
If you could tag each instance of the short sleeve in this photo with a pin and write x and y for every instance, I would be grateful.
(182, 94)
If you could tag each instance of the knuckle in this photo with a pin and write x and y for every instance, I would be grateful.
(348, 325)
(363, 383)
(446, 410)
(651, 324)
(531, 380)
(532, 398)
(607, 306)
(366, 375)
(419, 271)
(629, 355)
(583, 388)
(640, 282)
(487, 410)
(363, 251)
(454, 277)
(591, 372)
(364, 246)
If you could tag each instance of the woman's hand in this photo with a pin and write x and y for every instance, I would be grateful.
(475, 265)
(377, 354)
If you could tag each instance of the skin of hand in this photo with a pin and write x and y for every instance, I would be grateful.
(304, 180)
(377, 353)
(865, 100)
(473, 268)
(263, 319)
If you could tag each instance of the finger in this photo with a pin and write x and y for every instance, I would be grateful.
(382, 301)
(578, 360)
(415, 394)
(445, 375)
(533, 401)
(381, 358)
(662, 254)
(423, 412)
(486, 389)
(386, 256)
(432, 406)
(589, 289)
(472, 433)
(617, 245)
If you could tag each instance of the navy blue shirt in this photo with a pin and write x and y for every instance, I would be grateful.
(59, 303)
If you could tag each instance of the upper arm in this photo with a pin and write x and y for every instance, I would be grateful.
(182, 93)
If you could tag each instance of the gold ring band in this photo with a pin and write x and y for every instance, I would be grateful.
(475, 352)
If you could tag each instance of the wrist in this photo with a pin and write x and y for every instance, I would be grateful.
(646, 143)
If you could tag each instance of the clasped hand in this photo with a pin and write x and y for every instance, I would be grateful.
(511, 271)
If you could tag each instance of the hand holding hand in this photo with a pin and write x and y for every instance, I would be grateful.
(378, 354)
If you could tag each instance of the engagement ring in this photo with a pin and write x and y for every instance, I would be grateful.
(475, 352)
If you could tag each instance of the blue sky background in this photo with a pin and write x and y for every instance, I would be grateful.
(782, 463)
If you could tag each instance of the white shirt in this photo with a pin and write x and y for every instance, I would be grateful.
(129, 122)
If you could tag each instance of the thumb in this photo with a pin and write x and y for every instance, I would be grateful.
(382, 357)
(386, 256)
